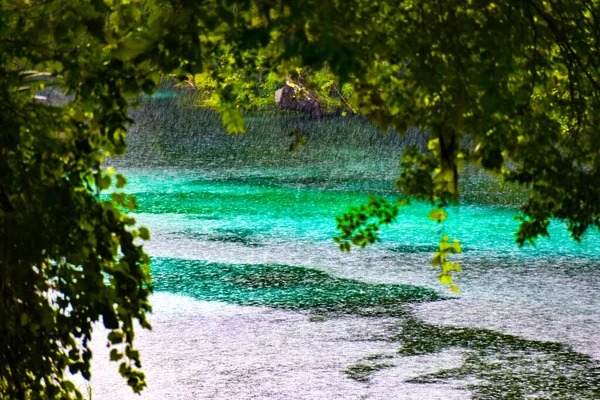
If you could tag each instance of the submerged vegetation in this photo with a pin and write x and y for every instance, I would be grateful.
(362, 372)
(498, 365)
(494, 365)
(289, 287)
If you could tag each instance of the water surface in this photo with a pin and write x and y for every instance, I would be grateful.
(254, 299)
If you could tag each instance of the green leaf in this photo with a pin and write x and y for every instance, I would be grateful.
(447, 266)
(116, 337)
(103, 182)
(233, 121)
(124, 369)
(121, 181)
(118, 198)
(444, 246)
(144, 233)
(456, 246)
(129, 49)
(115, 355)
(131, 203)
(438, 215)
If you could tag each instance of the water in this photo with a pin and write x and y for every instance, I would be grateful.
(254, 300)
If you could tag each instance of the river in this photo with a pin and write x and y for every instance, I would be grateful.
(254, 300)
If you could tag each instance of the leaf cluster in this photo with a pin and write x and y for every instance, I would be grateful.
(360, 225)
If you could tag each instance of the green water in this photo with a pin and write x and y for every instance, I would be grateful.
(282, 286)
(241, 220)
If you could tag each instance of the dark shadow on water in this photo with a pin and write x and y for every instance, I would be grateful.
(412, 248)
(501, 366)
(282, 286)
(244, 237)
(495, 365)
(362, 371)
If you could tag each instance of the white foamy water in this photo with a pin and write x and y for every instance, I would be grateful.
(206, 350)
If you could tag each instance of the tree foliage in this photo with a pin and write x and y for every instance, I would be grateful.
(67, 259)
(257, 91)
(511, 86)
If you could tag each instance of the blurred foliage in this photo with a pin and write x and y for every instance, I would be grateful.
(516, 80)
(67, 259)
(255, 90)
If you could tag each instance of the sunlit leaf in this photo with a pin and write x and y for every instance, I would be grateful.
(456, 246)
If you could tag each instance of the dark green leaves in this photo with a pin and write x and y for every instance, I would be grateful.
(116, 337)
(121, 181)
(144, 233)
(115, 355)
(360, 225)
(63, 242)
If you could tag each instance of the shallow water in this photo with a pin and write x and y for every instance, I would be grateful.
(254, 299)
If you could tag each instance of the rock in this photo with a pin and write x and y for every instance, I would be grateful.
(298, 99)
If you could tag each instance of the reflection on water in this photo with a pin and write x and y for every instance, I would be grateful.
(254, 300)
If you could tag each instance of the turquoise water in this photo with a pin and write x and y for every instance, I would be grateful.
(242, 223)
(264, 205)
